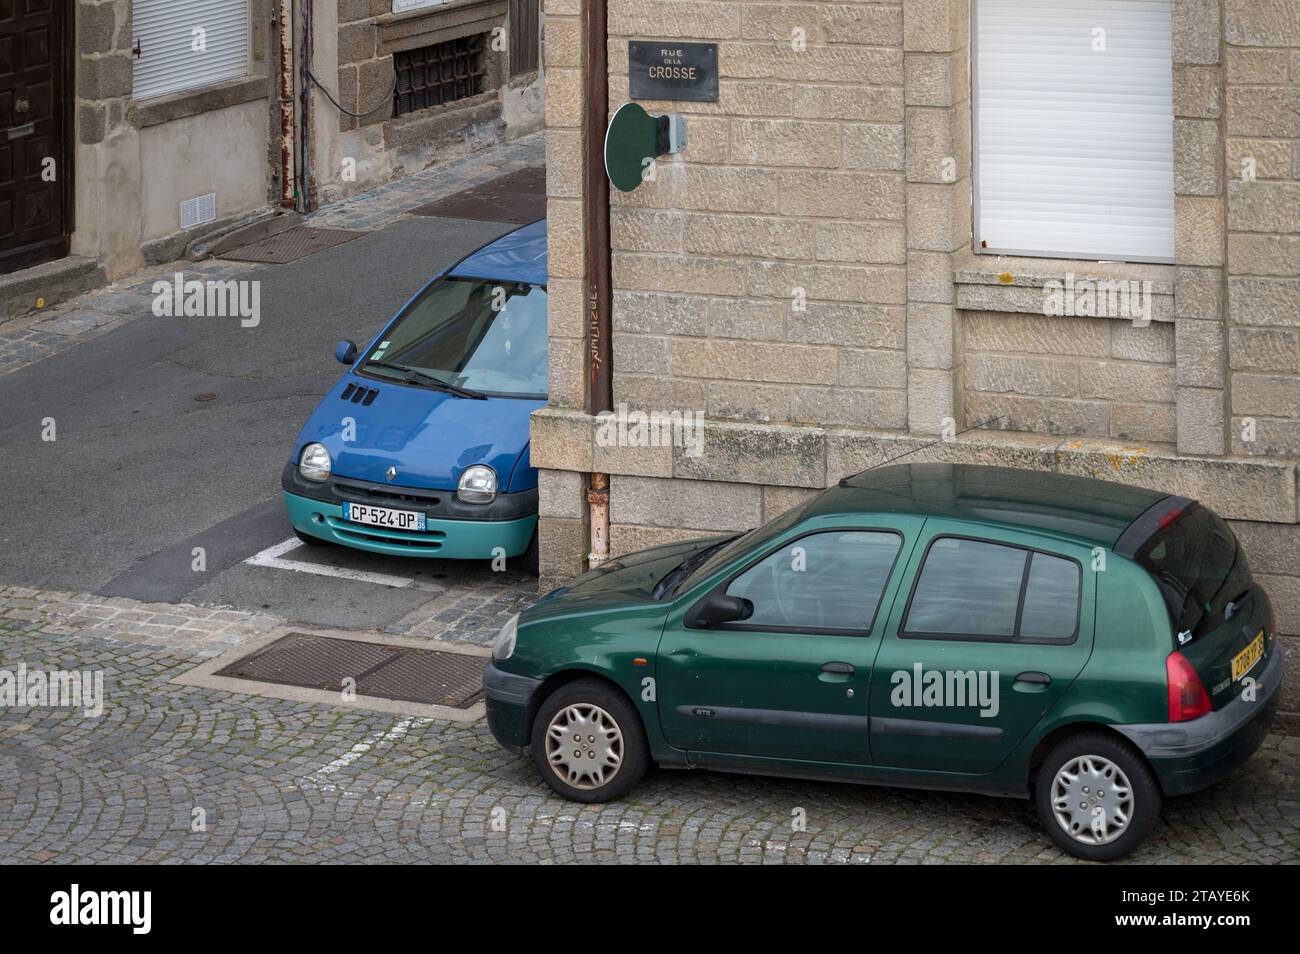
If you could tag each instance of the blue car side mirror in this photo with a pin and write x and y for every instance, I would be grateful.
(346, 352)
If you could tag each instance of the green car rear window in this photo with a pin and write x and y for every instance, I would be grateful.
(1199, 567)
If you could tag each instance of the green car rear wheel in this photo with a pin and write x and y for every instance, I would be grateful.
(1096, 796)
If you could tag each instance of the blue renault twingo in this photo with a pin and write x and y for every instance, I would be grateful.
(421, 449)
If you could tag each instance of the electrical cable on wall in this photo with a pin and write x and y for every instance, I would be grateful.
(347, 112)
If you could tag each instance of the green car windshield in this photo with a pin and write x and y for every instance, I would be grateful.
(728, 550)
(485, 336)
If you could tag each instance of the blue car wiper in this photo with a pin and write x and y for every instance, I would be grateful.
(414, 376)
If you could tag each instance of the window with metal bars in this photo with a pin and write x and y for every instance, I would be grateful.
(438, 74)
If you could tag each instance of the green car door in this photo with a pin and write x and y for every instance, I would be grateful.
(791, 681)
(990, 631)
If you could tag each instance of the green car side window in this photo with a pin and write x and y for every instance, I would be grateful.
(975, 589)
(831, 580)
(1051, 608)
(968, 587)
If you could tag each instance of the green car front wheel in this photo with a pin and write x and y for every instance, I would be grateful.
(588, 742)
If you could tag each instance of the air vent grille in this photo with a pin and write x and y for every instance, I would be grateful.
(356, 394)
(199, 210)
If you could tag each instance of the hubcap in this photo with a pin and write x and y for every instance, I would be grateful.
(1092, 800)
(584, 746)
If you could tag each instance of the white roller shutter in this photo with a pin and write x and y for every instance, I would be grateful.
(1074, 145)
(166, 33)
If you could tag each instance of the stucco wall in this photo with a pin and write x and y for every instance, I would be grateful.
(222, 151)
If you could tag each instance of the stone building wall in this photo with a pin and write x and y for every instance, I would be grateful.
(355, 41)
(803, 274)
(1072, 376)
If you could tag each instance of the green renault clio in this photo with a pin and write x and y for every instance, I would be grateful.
(1089, 645)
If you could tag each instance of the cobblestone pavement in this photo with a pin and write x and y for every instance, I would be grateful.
(282, 781)
(100, 311)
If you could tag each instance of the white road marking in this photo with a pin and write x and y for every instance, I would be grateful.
(271, 556)
(321, 776)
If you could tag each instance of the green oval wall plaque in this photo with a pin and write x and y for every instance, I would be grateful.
(631, 143)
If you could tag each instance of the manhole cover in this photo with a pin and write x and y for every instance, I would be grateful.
(517, 198)
(386, 672)
(291, 245)
(418, 675)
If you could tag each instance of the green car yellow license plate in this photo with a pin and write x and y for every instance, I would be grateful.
(1245, 660)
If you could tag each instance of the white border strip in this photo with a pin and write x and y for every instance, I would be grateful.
(271, 557)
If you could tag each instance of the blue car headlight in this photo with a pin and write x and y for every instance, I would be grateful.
(314, 463)
(478, 484)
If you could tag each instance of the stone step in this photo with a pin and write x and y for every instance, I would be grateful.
(31, 290)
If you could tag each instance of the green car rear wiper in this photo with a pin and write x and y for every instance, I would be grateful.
(414, 376)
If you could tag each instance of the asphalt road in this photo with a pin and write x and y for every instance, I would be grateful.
(142, 470)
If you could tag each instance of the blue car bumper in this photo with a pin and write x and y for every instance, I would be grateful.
(503, 528)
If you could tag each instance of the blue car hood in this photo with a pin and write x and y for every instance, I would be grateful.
(429, 436)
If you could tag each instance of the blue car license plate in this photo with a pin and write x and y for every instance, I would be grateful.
(384, 517)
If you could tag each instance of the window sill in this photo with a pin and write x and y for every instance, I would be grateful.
(193, 102)
(1007, 283)
(426, 26)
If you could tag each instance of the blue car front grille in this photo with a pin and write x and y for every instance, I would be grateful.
(386, 495)
(428, 541)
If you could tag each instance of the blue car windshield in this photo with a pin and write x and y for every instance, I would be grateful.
(470, 333)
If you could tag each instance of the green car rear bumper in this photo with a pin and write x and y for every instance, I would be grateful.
(444, 539)
(1190, 756)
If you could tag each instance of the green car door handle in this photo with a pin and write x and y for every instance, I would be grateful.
(840, 672)
(1032, 681)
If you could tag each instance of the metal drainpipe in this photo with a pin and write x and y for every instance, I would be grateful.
(304, 113)
(596, 220)
(286, 105)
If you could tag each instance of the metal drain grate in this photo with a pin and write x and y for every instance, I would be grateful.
(386, 672)
(424, 676)
(517, 198)
(291, 245)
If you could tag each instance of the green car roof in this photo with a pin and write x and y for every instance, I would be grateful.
(1094, 512)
